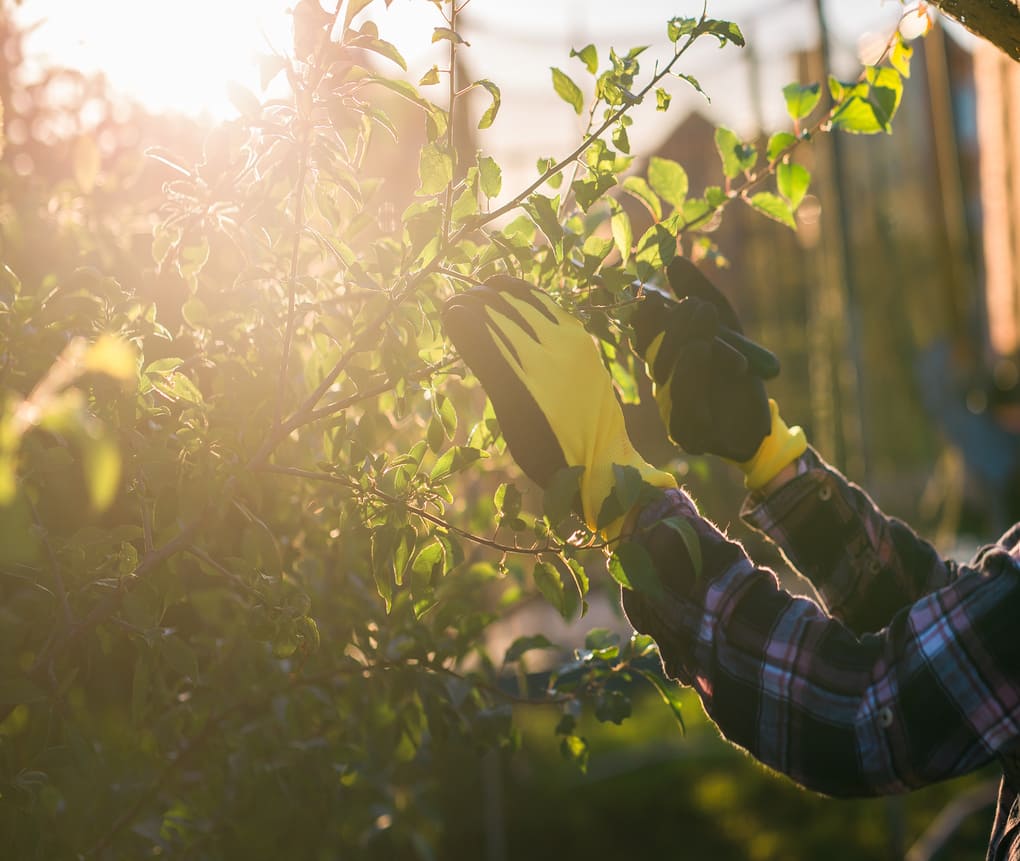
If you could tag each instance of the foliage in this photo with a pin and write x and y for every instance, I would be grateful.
(247, 566)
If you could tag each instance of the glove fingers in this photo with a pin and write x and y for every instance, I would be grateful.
(726, 360)
(647, 321)
(690, 419)
(690, 322)
(686, 279)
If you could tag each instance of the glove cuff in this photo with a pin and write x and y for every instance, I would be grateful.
(778, 450)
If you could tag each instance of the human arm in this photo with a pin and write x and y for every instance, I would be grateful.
(865, 565)
(935, 694)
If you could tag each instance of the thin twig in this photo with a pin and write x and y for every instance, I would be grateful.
(343, 481)
(318, 70)
(450, 119)
(361, 342)
(614, 117)
(367, 394)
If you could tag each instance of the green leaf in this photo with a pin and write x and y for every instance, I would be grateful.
(778, 144)
(602, 639)
(587, 191)
(544, 212)
(444, 410)
(677, 28)
(694, 82)
(736, 157)
(628, 485)
(403, 549)
(429, 78)
(724, 31)
(793, 181)
(886, 93)
(589, 56)
(632, 567)
(353, 8)
(662, 99)
(670, 693)
(595, 250)
(435, 170)
(383, 49)
(195, 313)
(507, 500)
(575, 750)
(612, 707)
(774, 207)
(525, 644)
(668, 180)
(840, 91)
(623, 234)
(445, 34)
(567, 90)
(637, 187)
(191, 260)
(620, 139)
(562, 494)
(580, 576)
(491, 176)
(453, 460)
(801, 99)
(176, 387)
(857, 116)
(429, 563)
(689, 536)
(547, 579)
(901, 54)
(489, 116)
(655, 249)
(382, 564)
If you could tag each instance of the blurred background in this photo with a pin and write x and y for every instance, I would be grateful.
(895, 310)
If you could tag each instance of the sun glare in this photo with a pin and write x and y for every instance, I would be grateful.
(172, 56)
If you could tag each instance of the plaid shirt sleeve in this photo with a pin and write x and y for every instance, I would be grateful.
(934, 694)
(865, 566)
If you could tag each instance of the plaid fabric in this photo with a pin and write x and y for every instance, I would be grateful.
(910, 675)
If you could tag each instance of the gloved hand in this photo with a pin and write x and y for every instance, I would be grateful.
(552, 395)
(708, 378)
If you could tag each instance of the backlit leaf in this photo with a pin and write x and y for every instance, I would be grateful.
(668, 180)
(774, 207)
(489, 116)
(801, 99)
(793, 181)
(567, 90)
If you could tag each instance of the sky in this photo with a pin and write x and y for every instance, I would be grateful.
(181, 55)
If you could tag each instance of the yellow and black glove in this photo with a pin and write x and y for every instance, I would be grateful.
(552, 395)
(709, 379)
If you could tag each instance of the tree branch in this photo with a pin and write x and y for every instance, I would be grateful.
(310, 475)
(997, 21)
